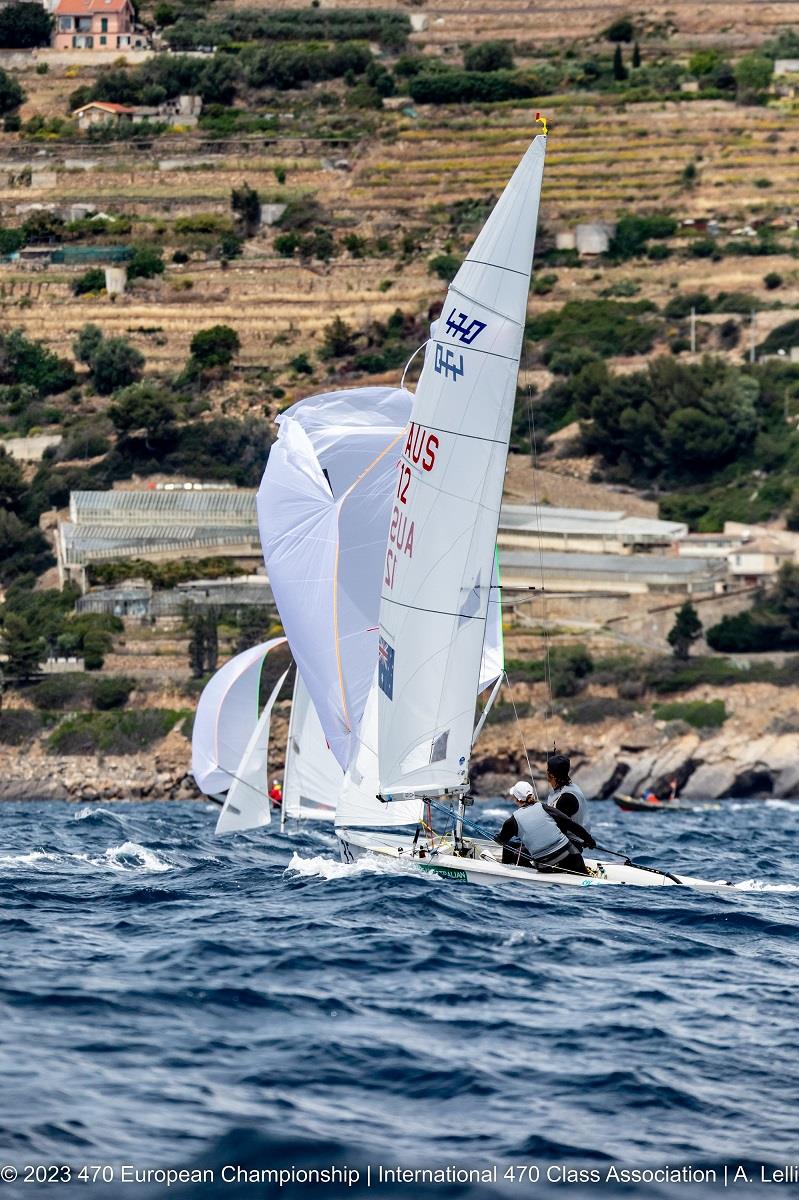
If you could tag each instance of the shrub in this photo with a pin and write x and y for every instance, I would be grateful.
(113, 732)
(772, 280)
(746, 633)
(445, 266)
(11, 94)
(24, 361)
(55, 693)
(462, 87)
(144, 406)
(543, 284)
(633, 233)
(91, 281)
(115, 364)
(488, 56)
(111, 692)
(215, 347)
(18, 725)
(702, 714)
(621, 30)
(145, 263)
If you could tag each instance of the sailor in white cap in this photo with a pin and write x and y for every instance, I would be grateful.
(542, 836)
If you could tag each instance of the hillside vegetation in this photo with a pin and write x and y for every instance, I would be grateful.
(302, 235)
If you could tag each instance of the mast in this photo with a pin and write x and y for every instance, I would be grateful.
(442, 534)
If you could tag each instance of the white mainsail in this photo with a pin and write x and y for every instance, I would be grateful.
(323, 510)
(440, 553)
(312, 779)
(247, 805)
(227, 713)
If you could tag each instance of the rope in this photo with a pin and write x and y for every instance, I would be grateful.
(521, 739)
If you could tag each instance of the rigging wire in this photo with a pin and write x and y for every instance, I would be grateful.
(536, 468)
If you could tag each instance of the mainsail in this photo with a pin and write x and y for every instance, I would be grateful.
(247, 805)
(227, 713)
(323, 510)
(440, 553)
(312, 779)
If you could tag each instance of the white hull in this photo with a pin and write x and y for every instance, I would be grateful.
(486, 867)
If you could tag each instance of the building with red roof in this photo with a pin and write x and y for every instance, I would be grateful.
(95, 25)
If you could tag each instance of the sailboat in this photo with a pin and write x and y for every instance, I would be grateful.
(231, 748)
(438, 567)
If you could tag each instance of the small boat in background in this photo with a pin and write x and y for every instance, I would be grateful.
(633, 804)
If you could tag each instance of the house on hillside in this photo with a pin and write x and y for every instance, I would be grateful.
(96, 25)
(102, 112)
(759, 560)
(181, 110)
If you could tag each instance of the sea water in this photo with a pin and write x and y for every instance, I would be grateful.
(172, 1002)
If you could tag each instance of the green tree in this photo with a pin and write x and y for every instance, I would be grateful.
(145, 263)
(215, 347)
(24, 25)
(23, 646)
(636, 55)
(246, 204)
(11, 94)
(144, 406)
(115, 364)
(786, 594)
(26, 362)
(88, 342)
(95, 645)
(753, 75)
(687, 628)
(338, 339)
(488, 56)
(703, 63)
(12, 483)
(621, 30)
(619, 69)
(92, 280)
(254, 621)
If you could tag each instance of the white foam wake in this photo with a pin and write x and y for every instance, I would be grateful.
(26, 860)
(332, 868)
(130, 856)
(758, 885)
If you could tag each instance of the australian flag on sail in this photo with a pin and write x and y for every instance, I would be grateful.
(385, 668)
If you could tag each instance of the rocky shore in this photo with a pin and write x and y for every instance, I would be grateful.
(755, 753)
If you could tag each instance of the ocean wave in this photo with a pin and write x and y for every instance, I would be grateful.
(331, 868)
(130, 856)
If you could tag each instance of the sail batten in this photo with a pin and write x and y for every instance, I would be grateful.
(439, 570)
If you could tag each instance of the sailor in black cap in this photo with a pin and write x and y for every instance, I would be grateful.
(564, 795)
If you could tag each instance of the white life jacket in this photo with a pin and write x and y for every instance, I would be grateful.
(571, 789)
(539, 832)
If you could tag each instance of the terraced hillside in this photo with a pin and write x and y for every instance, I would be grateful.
(603, 160)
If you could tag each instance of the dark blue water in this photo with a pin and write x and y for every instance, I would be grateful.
(169, 999)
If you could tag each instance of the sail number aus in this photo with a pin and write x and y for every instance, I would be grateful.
(421, 448)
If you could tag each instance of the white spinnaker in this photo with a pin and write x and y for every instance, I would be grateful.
(312, 779)
(442, 533)
(323, 510)
(227, 713)
(247, 805)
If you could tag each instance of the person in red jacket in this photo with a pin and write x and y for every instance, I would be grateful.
(276, 794)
